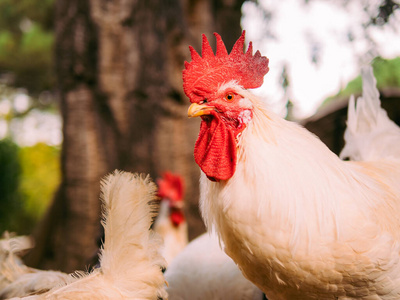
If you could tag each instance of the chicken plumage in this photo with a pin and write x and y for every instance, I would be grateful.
(203, 271)
(299, 222)
(17, 279)
(370, 134)
(130, 260)
(200, 269)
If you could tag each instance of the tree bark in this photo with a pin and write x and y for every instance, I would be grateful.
(119, 67)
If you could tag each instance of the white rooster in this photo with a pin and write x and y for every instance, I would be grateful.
(130, 259)
(299, 222)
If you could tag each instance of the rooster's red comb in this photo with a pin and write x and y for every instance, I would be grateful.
(209, 71)
(170, 186)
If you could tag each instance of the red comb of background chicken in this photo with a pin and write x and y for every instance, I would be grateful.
(209, 71)
(170, 186)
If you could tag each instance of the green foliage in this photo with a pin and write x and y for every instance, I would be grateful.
(7, 44)
(26, 43)
(387, 74)
(10, 199)
(29, 177)
(26, 60)
(39, 179)
(14, 12)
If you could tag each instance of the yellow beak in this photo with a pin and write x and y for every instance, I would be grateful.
(196, 110)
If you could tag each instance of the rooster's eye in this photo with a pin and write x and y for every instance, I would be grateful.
(229, 96)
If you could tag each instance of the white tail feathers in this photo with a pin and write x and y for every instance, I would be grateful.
(370, 134)
(131, 266)
(131, 250)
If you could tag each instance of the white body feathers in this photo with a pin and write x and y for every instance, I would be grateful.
(17, 279)
(301, 223)
(175, 238)
(203, 271)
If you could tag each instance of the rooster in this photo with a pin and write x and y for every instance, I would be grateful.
(300, 222)
(203, 271)
(130, 262)
(171, 223)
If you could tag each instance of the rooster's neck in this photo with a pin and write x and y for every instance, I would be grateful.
(287, 181)
(278, 163)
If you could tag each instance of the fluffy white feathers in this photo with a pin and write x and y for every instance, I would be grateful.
(370, 134)
(16, 279)
(203, 271)
(300, 222)
(130, 257)
(130, 262)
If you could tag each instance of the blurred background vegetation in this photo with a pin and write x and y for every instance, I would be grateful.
(29, 176)
(29, 167)
(387, 74)
(26, 44)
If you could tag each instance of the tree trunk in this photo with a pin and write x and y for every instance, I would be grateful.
(119, 67)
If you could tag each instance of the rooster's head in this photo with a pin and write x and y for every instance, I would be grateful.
(170, 188)
(215, 85)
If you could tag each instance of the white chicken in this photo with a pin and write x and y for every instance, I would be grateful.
(171, 223)
(203, 271)
(130, 259)
(299, 222)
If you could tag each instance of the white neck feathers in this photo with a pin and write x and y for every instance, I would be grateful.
(287, 175)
